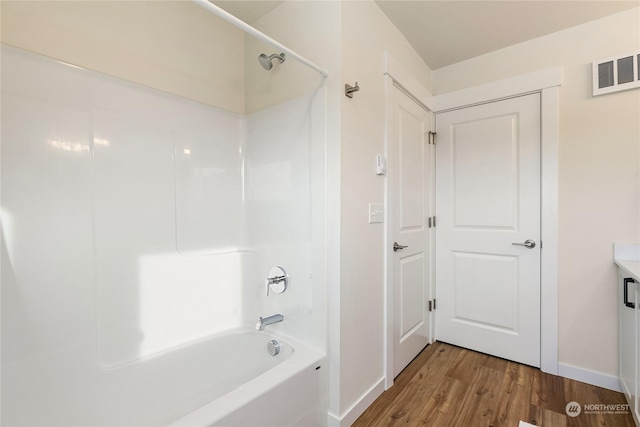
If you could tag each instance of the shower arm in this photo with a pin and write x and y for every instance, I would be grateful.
(280, 57)
(205, 4)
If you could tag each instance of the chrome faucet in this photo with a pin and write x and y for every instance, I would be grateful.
(265, 321)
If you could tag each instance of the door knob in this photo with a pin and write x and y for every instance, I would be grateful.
(397, 247)
(529, 244)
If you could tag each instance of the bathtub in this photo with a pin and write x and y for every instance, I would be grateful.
(227, 379)
(252, 388)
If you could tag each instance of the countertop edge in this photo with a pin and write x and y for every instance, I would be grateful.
(632, 268)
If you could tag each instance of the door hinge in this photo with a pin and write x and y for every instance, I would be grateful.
(432, 304)
(431, 221)
(431, 137)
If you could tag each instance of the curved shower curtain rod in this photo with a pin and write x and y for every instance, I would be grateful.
(257, 34)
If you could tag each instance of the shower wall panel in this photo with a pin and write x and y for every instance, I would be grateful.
(121, 214)
(47, 224)
(284, 159)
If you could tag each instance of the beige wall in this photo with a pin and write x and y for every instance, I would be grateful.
(310, 28)
(599, 194)
(366, 35)
(173, 46)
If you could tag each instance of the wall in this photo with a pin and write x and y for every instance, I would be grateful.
(307, 27)
(599, 194)
(366, 35)
(187, 51)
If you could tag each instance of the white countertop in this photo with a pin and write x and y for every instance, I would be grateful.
(627, 257)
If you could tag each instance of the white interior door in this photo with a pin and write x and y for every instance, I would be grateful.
(409, 156)
(488, 205)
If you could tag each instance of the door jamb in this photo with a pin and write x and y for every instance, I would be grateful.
(547, 82)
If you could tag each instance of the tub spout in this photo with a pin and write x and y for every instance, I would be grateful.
(265, 321)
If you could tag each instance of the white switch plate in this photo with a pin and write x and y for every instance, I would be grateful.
(376, 213)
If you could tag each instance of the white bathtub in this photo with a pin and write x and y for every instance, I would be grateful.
(254, 388)
(224, 380)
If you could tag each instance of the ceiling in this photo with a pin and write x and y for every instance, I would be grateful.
(444, 32)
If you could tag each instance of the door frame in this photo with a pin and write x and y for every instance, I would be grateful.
(547, 82)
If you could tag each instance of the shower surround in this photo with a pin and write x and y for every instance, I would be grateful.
(137, 225)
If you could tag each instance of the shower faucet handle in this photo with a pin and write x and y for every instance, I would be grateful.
(277, 280)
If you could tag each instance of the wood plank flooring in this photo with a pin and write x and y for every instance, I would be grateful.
(448, 386)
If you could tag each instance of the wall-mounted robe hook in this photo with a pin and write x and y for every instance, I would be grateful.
(348, 89)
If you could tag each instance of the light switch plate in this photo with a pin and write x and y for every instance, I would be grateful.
(376, 213)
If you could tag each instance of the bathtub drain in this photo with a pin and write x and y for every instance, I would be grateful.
(273, 347)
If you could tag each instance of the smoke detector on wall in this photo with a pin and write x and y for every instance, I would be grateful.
(618, 73)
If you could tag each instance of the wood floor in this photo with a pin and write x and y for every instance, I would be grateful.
(449, 386)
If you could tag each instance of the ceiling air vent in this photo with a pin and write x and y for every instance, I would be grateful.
(615, 74)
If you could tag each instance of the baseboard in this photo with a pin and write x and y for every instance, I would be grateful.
(590, 377)
(355, 410)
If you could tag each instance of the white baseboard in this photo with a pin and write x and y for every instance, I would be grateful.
(590, 377)
(352, 414)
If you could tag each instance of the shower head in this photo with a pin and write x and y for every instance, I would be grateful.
(267, 61)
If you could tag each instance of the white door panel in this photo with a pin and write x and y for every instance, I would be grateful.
(487, 198)
(409, 198)
(497, 273)
(484, 172)
(411, 297)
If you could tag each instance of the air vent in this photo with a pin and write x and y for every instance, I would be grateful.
(615, 74)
